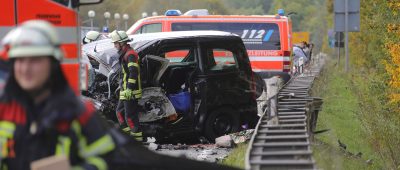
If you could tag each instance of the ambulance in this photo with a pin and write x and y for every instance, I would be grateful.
(267, 37)
(64, 16)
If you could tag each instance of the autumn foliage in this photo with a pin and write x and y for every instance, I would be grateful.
(375, 54)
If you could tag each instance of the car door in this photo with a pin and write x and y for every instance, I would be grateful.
(226, 86)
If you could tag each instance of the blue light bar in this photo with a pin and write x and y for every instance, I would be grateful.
(173, 12)
(281, 12)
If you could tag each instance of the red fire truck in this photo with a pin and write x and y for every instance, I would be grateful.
(63, 15)
(267, 37)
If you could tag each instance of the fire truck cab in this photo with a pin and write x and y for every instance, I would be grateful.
(267, 37)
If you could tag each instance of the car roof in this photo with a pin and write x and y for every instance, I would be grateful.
(179, 34)
(142, 41)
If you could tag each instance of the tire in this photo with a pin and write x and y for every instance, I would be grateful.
(221, 122)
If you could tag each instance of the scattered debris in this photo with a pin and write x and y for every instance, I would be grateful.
(153, 146)
(155, 105)
(369, 161)
(358, 155)
(205, 154)
(229, 141)
(321, 131)
(202, 152)
(224, 141)
(242, 136)
(342, 145)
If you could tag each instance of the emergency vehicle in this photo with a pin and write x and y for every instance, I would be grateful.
(267, 37)
(63, 15)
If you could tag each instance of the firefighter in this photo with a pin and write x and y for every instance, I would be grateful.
(40, 115)
(130, 84)
(91, 36)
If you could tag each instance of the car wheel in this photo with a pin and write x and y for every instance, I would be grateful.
(221, 122)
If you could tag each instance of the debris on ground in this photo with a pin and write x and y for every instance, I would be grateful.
(153, 146)
(224, 141)
(229, 141)
(369, 161)
(342, 145)
(200, 152)
(242, 136)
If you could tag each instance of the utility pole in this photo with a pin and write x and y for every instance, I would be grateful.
(91, 15)
(126, 18)
(347, 19)
(346, 24)
(117, 17)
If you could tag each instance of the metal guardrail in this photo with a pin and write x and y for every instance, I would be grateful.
(283, 135)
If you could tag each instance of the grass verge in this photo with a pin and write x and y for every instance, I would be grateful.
(237, 156)
(340, 114)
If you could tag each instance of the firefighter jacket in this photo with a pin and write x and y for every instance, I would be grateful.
(129, 61)
(61, 125)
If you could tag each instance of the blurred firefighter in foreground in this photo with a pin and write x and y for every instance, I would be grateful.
(40, 116)
(130, 84)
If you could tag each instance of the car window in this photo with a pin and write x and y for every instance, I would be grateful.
(177, 55)
(219, 59)
(151, 28)
(138, 31)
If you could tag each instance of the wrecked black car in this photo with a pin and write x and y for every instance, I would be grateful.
(194, 82)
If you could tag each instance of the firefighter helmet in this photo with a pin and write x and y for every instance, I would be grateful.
(119, 36)
(35, 38)
(91, 36)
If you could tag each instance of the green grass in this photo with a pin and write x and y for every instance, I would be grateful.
(330, 157)
(340, 113)
(237, 156)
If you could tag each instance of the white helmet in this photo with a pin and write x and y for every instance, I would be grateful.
(35, 38)
(91, 36)
(119, 36)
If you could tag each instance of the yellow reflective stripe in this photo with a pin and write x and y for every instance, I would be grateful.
(124, 80)
(131, 80)
(122, 97)
(82, 141)
(137, 92)
(133, 64)
(123, 70)
(98, 162)
(100, 146)
(139, 83)
(4, 148)
(7, 127)
(64, 145)
(6, 134)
